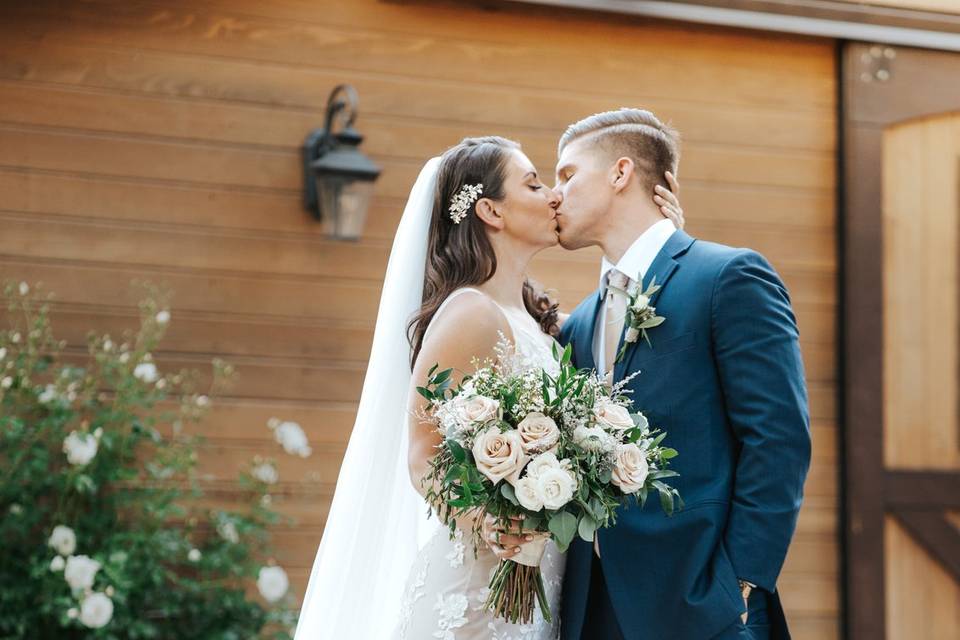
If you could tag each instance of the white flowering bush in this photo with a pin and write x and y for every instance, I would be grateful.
(104, 529)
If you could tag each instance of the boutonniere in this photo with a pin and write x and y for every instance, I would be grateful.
(641, 315)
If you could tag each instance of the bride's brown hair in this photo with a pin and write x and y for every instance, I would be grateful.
(460, 255)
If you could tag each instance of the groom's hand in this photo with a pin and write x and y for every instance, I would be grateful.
(669, 201)
(504, 541)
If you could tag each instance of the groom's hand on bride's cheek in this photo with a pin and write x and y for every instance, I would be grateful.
(669, 201)
(504, 542)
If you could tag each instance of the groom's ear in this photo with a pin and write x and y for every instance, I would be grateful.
(487, 211)
(621, 173)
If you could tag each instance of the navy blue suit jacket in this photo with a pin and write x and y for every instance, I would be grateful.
(725, 379)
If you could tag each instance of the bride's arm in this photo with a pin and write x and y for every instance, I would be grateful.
(468, 328)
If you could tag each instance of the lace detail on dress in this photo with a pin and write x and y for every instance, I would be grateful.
(451, 609)
(413, 593)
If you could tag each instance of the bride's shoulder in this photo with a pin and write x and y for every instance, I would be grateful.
(468, 313)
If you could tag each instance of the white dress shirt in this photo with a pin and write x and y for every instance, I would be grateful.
(634, 263)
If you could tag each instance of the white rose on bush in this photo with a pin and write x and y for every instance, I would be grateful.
(272, 583)
(146, 371)
(63, 540)
(96, 610)
(80, 448)
(57, 564)
(499, 455)
(80, 572)
(292, 438)
(538, 432)
(631, 468)
(266, 473)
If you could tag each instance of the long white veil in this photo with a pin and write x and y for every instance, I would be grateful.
(377, 520)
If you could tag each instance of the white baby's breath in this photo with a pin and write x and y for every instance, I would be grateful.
(266, 473)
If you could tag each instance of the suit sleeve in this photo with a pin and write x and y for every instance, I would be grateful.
(757, 350)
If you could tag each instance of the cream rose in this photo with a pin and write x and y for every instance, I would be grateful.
(612, 416)
(538, 432)
(631, 469)
(555, 488)
(477, 409)
(63, 540)
(499, 455)
(542, 462)
(96, 610)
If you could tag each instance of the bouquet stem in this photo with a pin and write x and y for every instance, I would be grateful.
(515, 590)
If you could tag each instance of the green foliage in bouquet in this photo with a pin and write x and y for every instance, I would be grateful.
(104, 532)
(561, 452)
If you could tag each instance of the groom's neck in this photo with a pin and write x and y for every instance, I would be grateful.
(625, 228)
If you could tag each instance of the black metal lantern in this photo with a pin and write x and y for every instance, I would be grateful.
(338, 178)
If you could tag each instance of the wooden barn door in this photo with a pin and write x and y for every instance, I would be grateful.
(902, 327)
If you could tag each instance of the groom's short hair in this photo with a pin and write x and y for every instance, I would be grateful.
(637, 134)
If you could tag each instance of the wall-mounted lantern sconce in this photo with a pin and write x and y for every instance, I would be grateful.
(337, 178)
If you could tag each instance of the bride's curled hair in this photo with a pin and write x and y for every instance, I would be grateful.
(461, 255)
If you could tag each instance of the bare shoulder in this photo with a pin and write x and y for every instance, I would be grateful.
(468, 327)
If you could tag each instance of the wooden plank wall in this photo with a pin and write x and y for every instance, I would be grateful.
(160, 140)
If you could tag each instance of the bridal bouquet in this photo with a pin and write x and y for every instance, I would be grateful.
(558, 453)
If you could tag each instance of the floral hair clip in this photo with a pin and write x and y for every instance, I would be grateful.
(460, 203)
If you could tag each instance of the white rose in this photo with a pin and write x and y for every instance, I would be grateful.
(477, 409)
(641, 303)
(194, 555)
(3, 353)
(292, 438)
(72, 613)
(527, 496)
(48, 395)
(80, 572)
(124, 357)
(24, 288)
(555, 488)
(6, 383)
(58, 563)
(272, 583)
(612, 415)
(547, 460)
(163, 317)
(15, 509)
(499, 455)
(80, 448)
(63, 540)
(96, 610)
(266, 473)
(538, 432)
(631, 469)
(146, 371)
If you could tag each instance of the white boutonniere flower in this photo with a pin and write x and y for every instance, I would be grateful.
(641, 315)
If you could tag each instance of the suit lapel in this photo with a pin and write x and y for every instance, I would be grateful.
(662, 268)
(586, 337)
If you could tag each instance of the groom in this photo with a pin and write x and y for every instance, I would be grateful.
(722, 376)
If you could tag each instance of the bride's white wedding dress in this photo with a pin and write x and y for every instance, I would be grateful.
(447, 587)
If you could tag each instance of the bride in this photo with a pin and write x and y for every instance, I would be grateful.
(456, 280)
